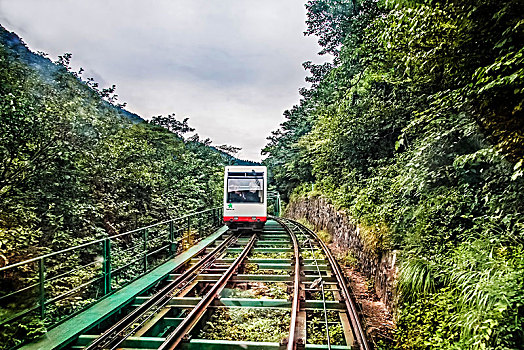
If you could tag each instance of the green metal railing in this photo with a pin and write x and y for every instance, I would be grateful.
(58, 285)
(274, 205)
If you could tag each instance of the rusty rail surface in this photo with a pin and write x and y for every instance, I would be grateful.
(292, 343)
(351, 308)
(114, 336)
(173, 339)
(300, 236)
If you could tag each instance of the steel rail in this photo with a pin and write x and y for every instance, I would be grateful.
(296, 286)
(175, 337)
(322, 289)
(115, 335)
(358, 331)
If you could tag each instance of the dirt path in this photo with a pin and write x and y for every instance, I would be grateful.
(378, 321)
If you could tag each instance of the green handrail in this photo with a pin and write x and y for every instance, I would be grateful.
(275, 197)
(112, 262)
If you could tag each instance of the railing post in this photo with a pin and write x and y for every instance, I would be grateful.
(199, 221)
(41, 280)
(172, 244)
(278, 204)
(107, 266)
(145, 250)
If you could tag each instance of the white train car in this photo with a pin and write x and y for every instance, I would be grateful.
(245, 196)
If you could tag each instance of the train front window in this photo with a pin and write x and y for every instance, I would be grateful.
(245, 190)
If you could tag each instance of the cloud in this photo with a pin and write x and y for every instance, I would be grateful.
(232, 66)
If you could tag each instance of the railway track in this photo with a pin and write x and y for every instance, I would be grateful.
(276, 289)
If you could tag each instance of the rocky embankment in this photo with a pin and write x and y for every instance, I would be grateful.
(373, 274)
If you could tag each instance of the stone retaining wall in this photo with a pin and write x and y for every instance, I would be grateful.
(380, 267)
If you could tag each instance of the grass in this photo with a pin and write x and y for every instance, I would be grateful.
(316, 328)
(247, 324)
(416, 277)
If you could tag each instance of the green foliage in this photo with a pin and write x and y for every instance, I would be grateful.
(348, 259)
(16, 333)
(416, 130)
(251, 268)
(74, 167)
(172, 124)
(316, 329)
(247, 324)
(416, 279)
(325, 236)
(279, 255)
(489, 294)
(266, 290)
(312, 254)
(429, 322)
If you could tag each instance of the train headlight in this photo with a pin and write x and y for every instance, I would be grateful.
(235, 218)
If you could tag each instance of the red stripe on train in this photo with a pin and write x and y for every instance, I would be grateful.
(245, 218)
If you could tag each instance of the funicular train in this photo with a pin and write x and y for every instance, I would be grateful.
(245, 197)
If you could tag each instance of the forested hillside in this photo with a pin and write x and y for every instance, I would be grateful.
(416, 129)
(75, 166)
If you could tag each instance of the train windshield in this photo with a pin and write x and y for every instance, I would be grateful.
(248, 190)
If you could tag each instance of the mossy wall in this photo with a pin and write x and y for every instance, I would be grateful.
(379, 266)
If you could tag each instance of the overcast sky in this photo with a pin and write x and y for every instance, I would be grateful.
(231, 66)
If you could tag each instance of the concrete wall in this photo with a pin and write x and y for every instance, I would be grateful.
(378, 266)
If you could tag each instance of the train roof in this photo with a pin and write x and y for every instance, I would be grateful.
(258, 168)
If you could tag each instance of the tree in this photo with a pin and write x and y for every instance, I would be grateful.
(172, 124)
